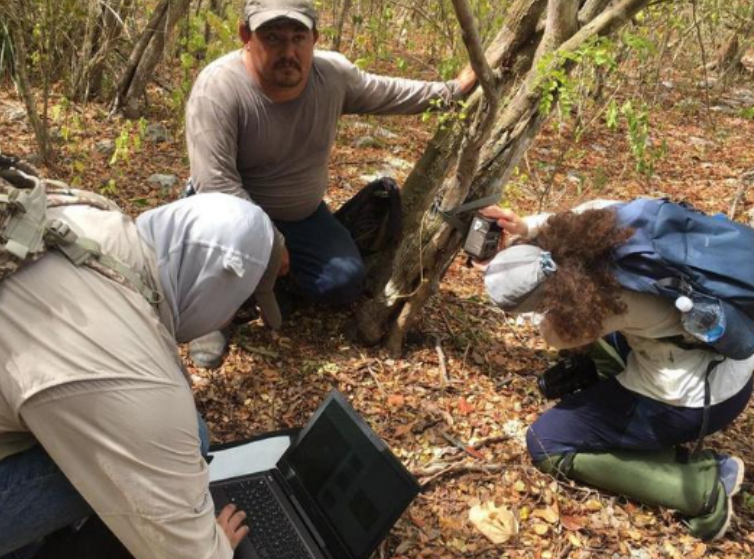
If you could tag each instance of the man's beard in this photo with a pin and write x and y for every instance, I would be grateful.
(287, 79)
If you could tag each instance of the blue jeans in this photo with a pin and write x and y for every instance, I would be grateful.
(607, 416)
(326, 266)
(36, 499)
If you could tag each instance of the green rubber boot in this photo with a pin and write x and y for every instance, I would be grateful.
(667, 478)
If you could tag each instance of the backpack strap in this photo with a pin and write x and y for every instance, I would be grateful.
(26, 233)
(711, 366)
(82, 251)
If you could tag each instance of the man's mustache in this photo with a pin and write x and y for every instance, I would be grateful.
(287, 63)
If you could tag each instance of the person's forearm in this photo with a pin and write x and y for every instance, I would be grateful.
(387, 95)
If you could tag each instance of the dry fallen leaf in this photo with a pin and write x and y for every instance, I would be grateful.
(464, 407)
(395, 401)
(548, 514)
(540, 529)
(593, 505)
(575, 540)
(699, 550)
(572, 523)
(497, 523)
(635, 535)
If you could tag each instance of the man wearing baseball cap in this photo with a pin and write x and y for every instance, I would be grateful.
(261, 123)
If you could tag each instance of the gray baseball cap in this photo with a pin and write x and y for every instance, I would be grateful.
(259, 12)
(264, 294)
(515, 277)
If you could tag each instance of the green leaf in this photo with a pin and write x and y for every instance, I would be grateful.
(611, 116)
(141, 202)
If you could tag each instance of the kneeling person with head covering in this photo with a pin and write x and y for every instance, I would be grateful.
(95, 412)
(621, 434)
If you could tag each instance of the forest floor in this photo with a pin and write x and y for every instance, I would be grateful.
(455, 406)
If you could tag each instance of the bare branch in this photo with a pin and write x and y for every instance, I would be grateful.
(591, 9)
(470, 36)
(605, 23)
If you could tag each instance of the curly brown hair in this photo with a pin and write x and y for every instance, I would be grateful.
(583, 291)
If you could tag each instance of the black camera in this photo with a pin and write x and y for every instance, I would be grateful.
(483, 238)
(567, 376)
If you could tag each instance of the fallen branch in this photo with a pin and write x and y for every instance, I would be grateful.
(489, 441)
(458, 469)
(468, 449)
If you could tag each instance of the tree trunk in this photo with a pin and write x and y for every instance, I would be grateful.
(18, 25)
(400, 282)
(103, 29)
(146, 55)
(344, 11)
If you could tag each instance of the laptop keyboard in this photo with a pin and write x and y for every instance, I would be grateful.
(271, 531)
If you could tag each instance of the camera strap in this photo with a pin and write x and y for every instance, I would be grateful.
(451, 216)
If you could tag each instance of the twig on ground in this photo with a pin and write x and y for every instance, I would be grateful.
(565, 551)
(468, 449)
(432, 469)
(489, 441)
(458, 469)
(375, 379)
(465, 356)
(447, 323)
(444, 378)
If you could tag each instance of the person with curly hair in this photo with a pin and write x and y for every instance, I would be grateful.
(623, 434)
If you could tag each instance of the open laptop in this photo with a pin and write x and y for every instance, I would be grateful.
(335, 493)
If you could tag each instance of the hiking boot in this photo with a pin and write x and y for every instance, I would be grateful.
(714, 525)
(731, 473)
(208, 351)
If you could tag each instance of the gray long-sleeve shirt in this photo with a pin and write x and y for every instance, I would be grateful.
(276, 154)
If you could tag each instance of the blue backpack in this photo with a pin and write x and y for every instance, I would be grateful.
(677, 250)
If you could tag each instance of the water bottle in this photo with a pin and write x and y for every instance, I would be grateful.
(703, 318)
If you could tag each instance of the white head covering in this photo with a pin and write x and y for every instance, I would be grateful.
(515, 277)
(211, 251)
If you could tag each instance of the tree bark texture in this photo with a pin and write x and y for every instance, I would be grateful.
(342, 16)
(18, 24)
(401, 281)
(146, 54)
(103, 29)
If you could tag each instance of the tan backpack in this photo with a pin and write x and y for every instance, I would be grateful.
(27, 232)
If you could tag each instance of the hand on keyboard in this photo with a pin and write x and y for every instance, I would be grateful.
(231, 521)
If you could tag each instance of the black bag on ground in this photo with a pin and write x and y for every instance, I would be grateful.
(374, 216)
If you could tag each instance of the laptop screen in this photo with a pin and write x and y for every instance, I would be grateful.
(356, 482)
